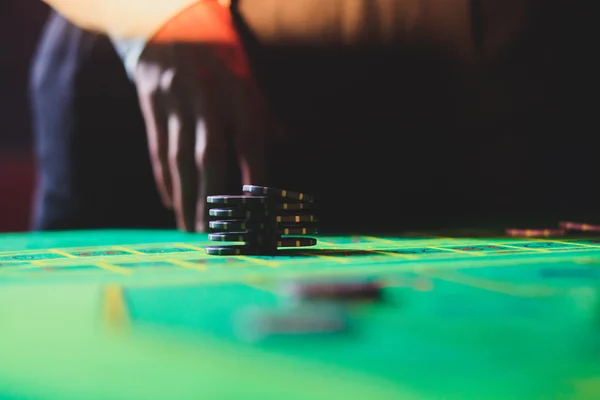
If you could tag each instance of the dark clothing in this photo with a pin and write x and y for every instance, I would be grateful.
(94, 170)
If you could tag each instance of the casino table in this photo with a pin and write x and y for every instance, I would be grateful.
(148, 315)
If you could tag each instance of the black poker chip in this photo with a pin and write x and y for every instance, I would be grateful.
(297, 230)
(286, 194)
(294, 206)
(296, 242)
(265, 221)
(239, 225)
(238, 199)
(244, 236)
(257, 211)
(295, 218)
(241, 213)
(259, 249)
(233, 250)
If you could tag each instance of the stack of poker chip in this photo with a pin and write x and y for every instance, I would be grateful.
(263, 219)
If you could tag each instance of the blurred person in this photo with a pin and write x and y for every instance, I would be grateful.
(425, 98)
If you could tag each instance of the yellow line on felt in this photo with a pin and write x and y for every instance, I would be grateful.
(114, 268)
(493, 286)
(381, 240)
(188, 265)
(522, 248)
(61, 253)
(397, 255)
(569, 243)
(189, 246)
(259, 261)
(475, 253)
(398, 244)
(128, 250)
(330, 258)
(115, 308)
(326, 243)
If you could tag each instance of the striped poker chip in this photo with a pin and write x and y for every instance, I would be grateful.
(286, 194)
(535, 232)
(296, 242)
(238, 199)
(295, 218)
(258, 211)
(298, 230)
(233, 250)
(579, 227)
(260, 237)
(258, 249)
(239, 213)
(238, 225)
(247, 237)
(294, 206)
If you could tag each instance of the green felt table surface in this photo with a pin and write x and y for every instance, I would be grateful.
(101, 315)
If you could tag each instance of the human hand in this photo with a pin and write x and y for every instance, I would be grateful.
(197, 101)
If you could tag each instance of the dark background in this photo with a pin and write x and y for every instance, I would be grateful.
(21, 22)
(532, 149)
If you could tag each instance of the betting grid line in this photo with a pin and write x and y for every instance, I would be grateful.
(507, 288)
(421, 269)
(569, 243)
(189, 246)
(147, 257)
(474, 253)
(398, 255)
(115, 312)
(260, 261)
(188, 265)
(339, 260)
(380, 240)
(534, 249)
(114, 268)
(61, 253)
(127, 250)
(357, 271)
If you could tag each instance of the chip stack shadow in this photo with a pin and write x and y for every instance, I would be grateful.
(264, 219)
